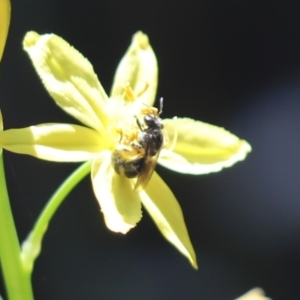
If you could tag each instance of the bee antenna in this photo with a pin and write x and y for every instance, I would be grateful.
(161, 101)
(146, 104)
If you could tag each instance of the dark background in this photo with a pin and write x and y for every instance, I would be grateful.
(235, 64)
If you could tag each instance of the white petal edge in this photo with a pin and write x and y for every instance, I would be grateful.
(200, 148)
(178, 163)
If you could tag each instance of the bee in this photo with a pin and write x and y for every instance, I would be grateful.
(152, 140)
(139, 158)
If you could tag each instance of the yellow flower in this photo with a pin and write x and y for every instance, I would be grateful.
(254, 294)
(110, 123)
(4, 23)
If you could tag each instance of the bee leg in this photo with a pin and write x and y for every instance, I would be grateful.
(139, 123)
(136, 145)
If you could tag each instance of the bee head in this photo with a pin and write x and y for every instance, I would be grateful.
(153, 121)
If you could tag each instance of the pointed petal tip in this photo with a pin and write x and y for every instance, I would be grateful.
(194, 264)
(191, 256)
(30, 39)
(141, 40)
(245, 149)
(165, 211)
(246, 146)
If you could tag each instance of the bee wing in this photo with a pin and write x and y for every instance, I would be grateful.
(146, 174)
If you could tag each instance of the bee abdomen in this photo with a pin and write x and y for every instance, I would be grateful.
(129, 169)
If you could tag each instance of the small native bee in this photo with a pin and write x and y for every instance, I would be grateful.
(151, 139)
(139, 159)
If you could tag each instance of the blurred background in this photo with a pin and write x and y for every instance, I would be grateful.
(235, 64)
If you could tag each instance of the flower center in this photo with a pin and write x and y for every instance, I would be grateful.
(140, 141)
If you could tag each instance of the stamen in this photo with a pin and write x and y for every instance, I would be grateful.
(129, 92)
(120, 132)
(128, 135)
(146, 86)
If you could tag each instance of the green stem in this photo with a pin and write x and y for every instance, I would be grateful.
(31, 247)
(16, 278)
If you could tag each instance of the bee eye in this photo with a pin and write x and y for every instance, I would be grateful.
(148, 118)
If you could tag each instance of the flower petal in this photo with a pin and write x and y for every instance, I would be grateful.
(254, 294)
(68, 76)
(138, 67)
(164, 209)
(201, 148)
(120, 205)
(4, 23)
(1, 129)
(54, 142)
(1, 121)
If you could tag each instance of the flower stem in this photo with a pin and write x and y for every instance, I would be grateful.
(31, 247)
(17, 280)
